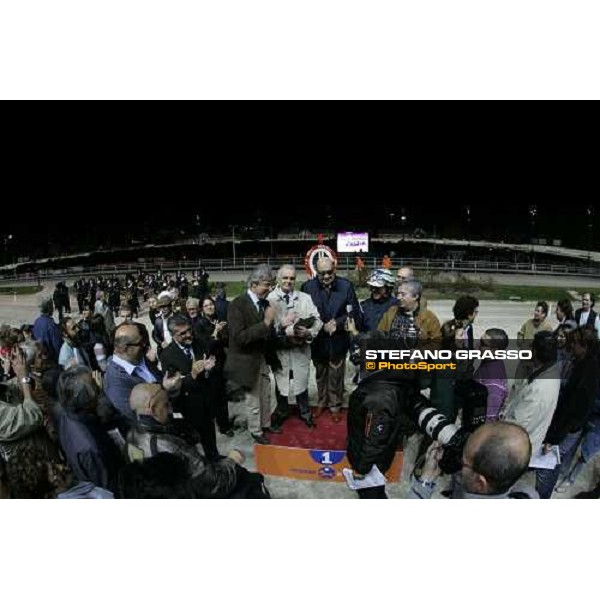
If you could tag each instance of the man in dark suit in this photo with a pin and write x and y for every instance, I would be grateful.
(160, 332)
(466, 309)
(189, 358)
(586, 316)
(221, 302)
(335, 300)
(251, 330)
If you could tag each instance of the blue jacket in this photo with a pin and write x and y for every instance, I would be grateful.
(221, 308)
(86, 454)
(333, 305)
(373, 311)
(118, 385)
(45, 330)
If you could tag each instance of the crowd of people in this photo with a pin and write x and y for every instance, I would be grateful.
(100, 406)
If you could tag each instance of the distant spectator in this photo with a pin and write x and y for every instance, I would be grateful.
(45, 330)
(71, 352)
(535, 325)
(564, 313)
(61, 299)
(27, 331)
(152, 309)
(161, 334)
(465, 310)
(101, 308)
(586, 316)
(492, 373)
(221, 302)
(100, 341)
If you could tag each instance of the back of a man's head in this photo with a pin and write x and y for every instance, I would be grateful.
(47, 307)
(544, 347)
(76, 391)
(162, 476)
(141, 397)
(125, 334)
(150, 399)
(500, 452)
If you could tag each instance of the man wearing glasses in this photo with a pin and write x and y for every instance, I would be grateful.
(335, 300)
(128, 367)
(190, 359)
(495, 457)
(251, 349)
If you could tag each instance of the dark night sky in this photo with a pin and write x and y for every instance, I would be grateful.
(489, 219)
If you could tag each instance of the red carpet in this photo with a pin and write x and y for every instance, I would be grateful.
(327, 435)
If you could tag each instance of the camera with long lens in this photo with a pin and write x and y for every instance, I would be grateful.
(473, 398)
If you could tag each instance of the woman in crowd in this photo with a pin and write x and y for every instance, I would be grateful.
(212, 334)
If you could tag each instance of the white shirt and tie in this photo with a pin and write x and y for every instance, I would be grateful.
(140, 370)
(188, 351)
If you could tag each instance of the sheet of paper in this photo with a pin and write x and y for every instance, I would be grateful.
(373, 479)
(117, 438)
(545, 461)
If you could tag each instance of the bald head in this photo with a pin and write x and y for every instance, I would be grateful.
(495, 457)
(405, 274)
(131, 343)
(125, 334)
(324, 263)
(325, 271)
(150, 399)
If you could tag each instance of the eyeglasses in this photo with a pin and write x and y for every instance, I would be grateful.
(183, 332)
(323, 273)
(141, 344)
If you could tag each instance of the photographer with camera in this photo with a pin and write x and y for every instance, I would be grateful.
(378, 415)
(494, 458)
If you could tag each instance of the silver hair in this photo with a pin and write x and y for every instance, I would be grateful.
(415, 287)
(498, 338)
(177, 320)
(285, 267)
(76, 390)
(260, 273)
(192, 302)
